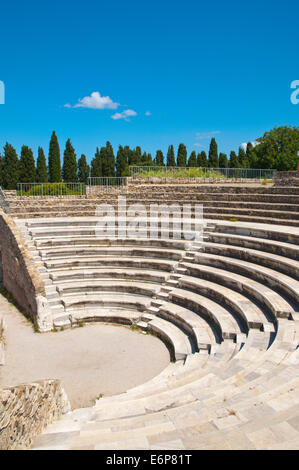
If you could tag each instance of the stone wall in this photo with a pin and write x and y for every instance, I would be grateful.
(20, 276)
(287, 178)
(2, 342)
(25, 410)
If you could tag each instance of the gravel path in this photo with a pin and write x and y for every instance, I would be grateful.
(93, 360)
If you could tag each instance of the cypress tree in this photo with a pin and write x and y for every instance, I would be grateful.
(41, 167)
(54, 160)
(251, 156)
(223, 162)
(69, 169)
(213, 154)
(144, 159)
(108, 160)
(159, 160)
(202, 159)
(10, 167)
(96, 165)
(149, 159)
(233, 160)
(122, 168)
(182, 156)
(83, 170)
(243, 160)
(192, 159)
(137, 156)
(170, 160)
(27, 173)
(128, 155)
(1, 170)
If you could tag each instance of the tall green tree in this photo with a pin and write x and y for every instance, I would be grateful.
(242, 157)
(1, 171)
(192, 161)
(69, 169)
(233, 160)
(108, 160)
(83, 170)
(170, 160)
(213, 154)
(10, 167)
(137, 156)
(27, 171)
(202, 159)
(54, 160)
(159, 160)
(182, 156)
(122, 168)
(251, 156)
(41, 167)
(96, 164)
(223, 162)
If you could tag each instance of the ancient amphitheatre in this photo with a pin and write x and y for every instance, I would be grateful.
(223, 314)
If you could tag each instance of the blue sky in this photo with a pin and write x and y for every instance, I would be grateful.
(198, 68)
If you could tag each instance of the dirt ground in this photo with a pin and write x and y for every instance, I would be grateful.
(92, 360)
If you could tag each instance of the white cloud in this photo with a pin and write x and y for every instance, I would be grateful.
(148, 113)
(95, 101)
(206, 135)
(124, 115)
(244, 145)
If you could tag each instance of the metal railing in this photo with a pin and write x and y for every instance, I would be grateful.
(4, 204)
(107, 181)
(200, 172)
(61, 190)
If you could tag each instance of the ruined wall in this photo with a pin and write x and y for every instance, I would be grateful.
(2, 342)
(20, 276)
(287, 178)
(25, 410)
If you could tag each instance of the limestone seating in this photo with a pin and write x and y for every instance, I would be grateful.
(280, 248)
(246, 370)
(287, 235)
(92, 286)
(276, 262)
(274, 279)
(186, 415)
(246, 314)
(111, 273)
(274, 303)
(77, 252)
(99, 262)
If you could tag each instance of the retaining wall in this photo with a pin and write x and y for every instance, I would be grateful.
(20, 276)
(25, 410)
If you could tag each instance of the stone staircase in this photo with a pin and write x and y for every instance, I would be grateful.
(243, 203)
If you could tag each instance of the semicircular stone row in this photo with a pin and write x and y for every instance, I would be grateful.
(227, 309)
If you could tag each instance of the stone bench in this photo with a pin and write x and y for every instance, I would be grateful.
(190, 321)
(88, 301)
(279, 248)
(222, 323)
(248, 314)
(171, 334)
(110, 273)
(94, 286)
(287, 285)
(275, 303)
(270, 260)
(99, 262)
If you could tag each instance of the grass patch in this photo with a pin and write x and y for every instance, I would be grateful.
(178, 173)
(51, 189)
